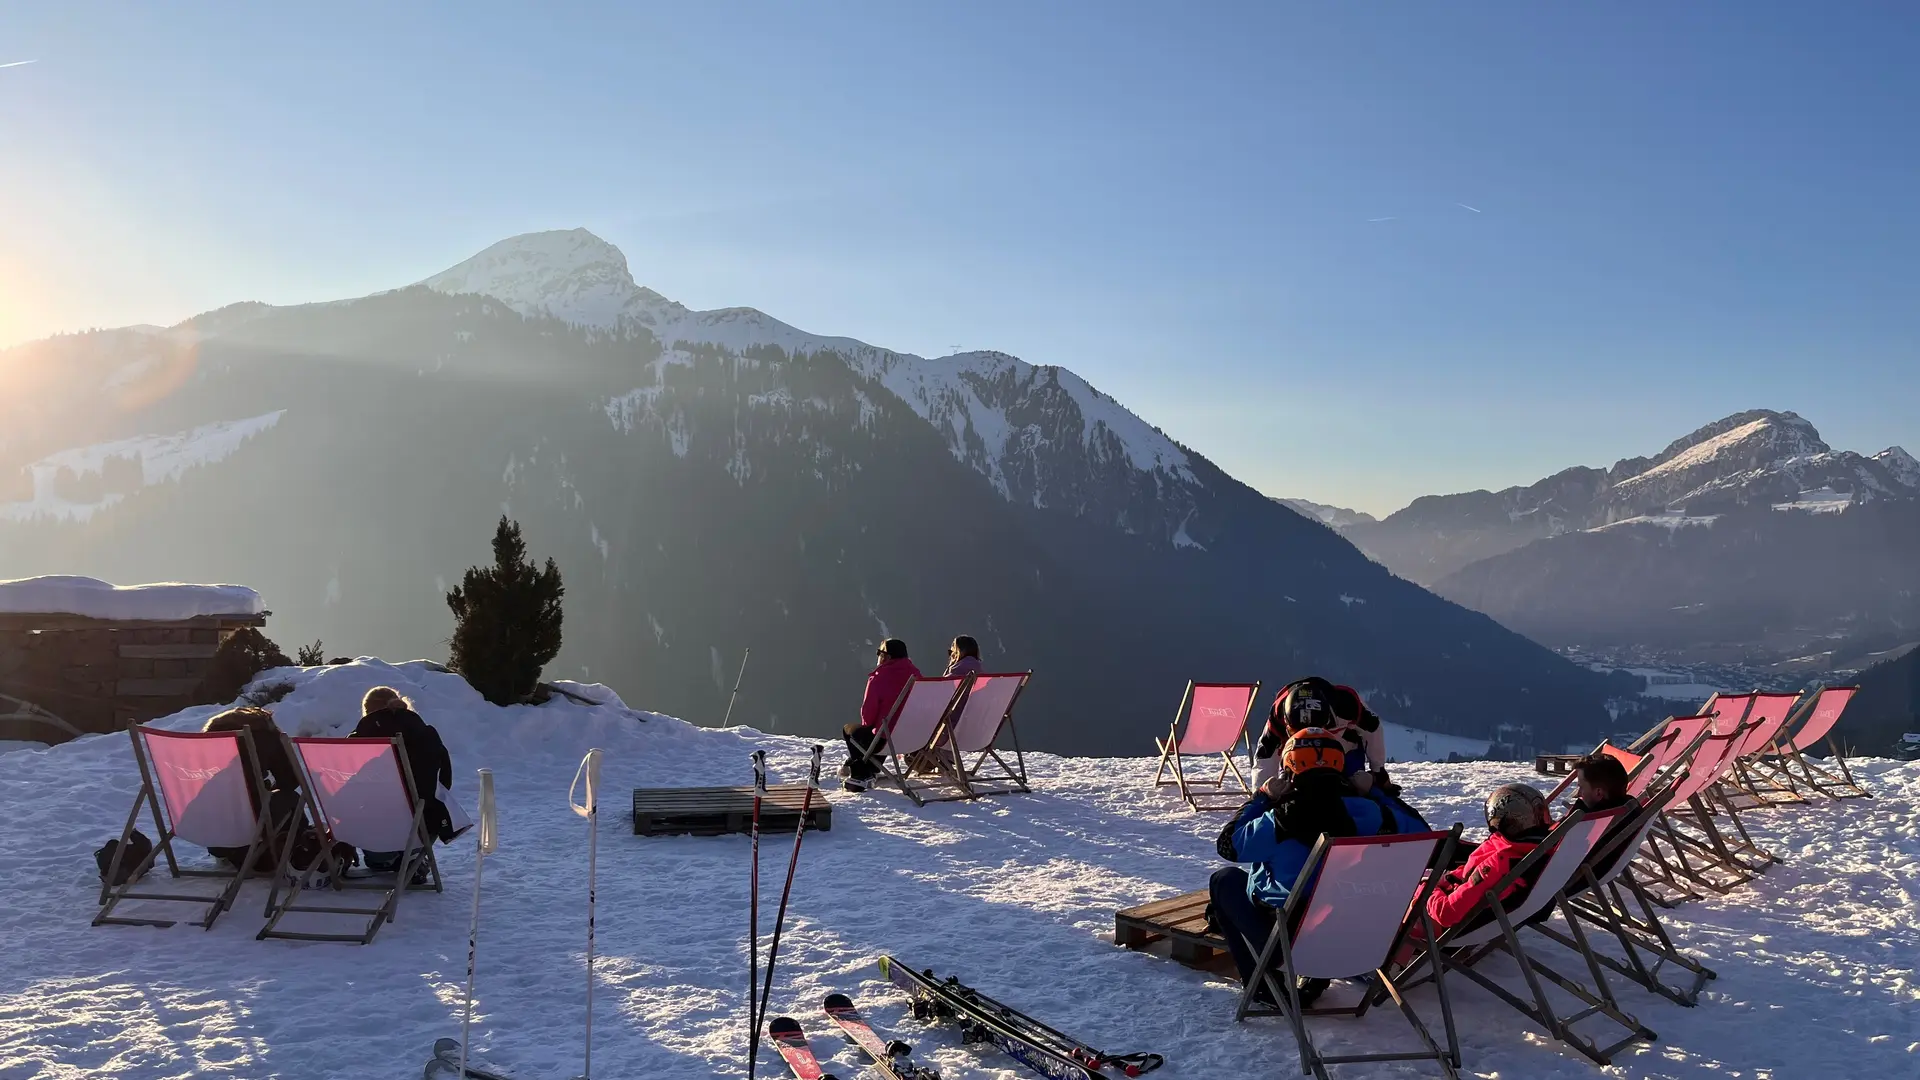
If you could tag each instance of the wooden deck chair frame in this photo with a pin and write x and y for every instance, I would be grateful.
(418, 849)
(1472, 941)
(1753, 784)
(893, 763)
(1171, 754)
(1788, 754)
(165, 825)
(975, 777)
(1686, 851)
(1274, 969)
(1601, 900)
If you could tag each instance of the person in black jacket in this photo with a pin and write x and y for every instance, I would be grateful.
(386, 714)
(279, 777)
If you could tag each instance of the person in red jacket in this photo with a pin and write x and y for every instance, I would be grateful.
(1517, 820)
(884, 684)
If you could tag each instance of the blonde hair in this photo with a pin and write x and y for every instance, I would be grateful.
(383, 697)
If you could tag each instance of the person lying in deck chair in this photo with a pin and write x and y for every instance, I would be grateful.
(1276, 830)
(1600, 783)
(384, 714)
(282, 781)
(884, 683)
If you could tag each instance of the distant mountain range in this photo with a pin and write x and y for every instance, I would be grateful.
(1750, 536)
(713, 481)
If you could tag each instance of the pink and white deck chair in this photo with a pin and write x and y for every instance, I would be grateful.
(1216, 715)
(919, 716)
(1600, 894)
(359, 792)
(1491, 928)
(1685, 850)
(1745, 782)
(1354, 903)
(974, 732)
(1787, 758)
(204, 787)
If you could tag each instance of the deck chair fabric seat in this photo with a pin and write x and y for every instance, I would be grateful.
(974, 734)
(1216, 716)
(1353, 904)
(1788, 759)
(918, 718)
(1771, 714)
(360, 793)
(1686, 851)
(203, 787)
(1552, 866)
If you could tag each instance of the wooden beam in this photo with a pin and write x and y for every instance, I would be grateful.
(168, 652)
(155, 687)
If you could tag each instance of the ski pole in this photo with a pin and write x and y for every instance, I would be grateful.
(753, 914)
(742, 677)
(488, 839)
(779, 920)
(590, 809)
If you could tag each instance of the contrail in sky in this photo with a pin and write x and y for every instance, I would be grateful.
(1382, 219)
(1464, 206)
(18, 63)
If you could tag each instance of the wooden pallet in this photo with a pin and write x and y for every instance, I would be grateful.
(1179, 920)
(1555, 764)
(714, 811)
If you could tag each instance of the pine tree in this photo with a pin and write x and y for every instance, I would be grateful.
(506, 620)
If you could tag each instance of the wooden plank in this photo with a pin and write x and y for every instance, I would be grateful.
(155, 687)
(718, 810)
(1179, 920)
(168, 652)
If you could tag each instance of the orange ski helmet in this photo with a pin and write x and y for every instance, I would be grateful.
(1314, 748)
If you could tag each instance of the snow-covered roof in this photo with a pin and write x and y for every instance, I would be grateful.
(95, 599)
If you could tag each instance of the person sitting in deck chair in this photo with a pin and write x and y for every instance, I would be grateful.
(963, 659)
(384, 714)
(1276, 830)
(1315, 702)
(277, 770)
(884, 683)
(1600, 783)
(1517, 820)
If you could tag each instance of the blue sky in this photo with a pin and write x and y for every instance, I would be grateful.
(1684, 211)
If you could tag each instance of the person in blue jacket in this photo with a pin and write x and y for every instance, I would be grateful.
(1275, 832)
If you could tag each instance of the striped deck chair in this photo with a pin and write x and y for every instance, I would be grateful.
(919, 715)
(359, 792)
(1600, 896)
(975, 729)
(204, 787)
(1552, 867)
(1356, 900)
(1788, 759)
(1216, 715)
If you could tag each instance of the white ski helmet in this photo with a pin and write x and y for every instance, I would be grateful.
(1514, 808)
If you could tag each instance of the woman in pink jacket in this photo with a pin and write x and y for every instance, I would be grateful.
(884, 684)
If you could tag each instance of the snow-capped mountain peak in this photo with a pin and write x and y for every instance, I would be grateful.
(1900, 465)
(568, 274)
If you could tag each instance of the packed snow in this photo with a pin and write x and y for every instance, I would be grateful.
(1015, 895)
(96, 599)
(156, 459)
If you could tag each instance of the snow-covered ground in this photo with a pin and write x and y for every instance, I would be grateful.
(1015, 895)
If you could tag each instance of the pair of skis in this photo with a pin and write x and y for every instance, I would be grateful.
(1046, 1050)
(890, 1058)
(758, 988)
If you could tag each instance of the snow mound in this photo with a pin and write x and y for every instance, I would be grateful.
(96, 599)
(1014, 895)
